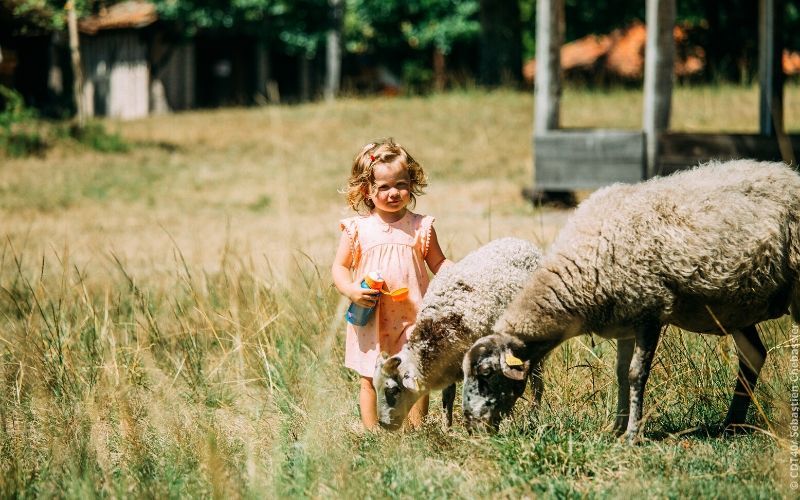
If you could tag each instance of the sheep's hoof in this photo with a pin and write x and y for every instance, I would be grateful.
(631, 438)
(620, 425)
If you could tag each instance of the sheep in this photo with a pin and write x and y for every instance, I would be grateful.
(715, 249)
(460, 305)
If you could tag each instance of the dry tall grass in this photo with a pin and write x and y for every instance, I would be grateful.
(169, 328)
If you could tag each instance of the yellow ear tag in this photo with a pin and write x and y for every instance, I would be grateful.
(512, 360)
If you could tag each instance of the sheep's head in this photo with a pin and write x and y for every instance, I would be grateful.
(397, 387)
(494, 378)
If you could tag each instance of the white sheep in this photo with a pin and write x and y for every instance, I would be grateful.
(461, 305)
(715, 249)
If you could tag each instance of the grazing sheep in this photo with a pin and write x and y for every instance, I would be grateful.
(715, 249)
(461, 305)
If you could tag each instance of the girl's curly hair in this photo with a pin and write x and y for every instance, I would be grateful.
(362, 176)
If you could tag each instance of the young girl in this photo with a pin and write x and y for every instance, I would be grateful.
(387, 237)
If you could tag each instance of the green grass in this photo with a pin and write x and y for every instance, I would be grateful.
(168, 326)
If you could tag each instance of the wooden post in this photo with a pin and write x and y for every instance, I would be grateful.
(304, 74)
(549, 38)
(770, 116)
(262, 72)
(658, 74)
(439, 69)
(75, 53)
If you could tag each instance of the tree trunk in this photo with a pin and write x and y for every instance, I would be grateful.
(305, 77)
(75, 55)
(501, 42)
(262, 73)
(770, 73)
(333, 58)
(439, 69)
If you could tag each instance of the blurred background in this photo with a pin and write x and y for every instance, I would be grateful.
(144, 57)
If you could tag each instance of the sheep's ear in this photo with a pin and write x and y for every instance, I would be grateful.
(410, 382)
(390, 366)
(380, 360)
(472, 358)
(513, 367)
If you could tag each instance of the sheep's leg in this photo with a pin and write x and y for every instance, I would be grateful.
(624, 355)
(537, 384)
(448, 398)
(646, 342)
(752, 355)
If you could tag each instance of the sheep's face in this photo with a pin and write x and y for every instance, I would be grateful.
(397, 388)
(494, 378)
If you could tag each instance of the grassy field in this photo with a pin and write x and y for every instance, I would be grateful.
(168, 326)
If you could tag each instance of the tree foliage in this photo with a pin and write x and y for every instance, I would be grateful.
(46, 14)
(299, 25)
(416, 24)
(406, 31)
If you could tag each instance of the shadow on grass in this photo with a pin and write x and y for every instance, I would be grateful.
(715, 431)
(167, 147)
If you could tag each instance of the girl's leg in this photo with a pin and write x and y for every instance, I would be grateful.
(418, 412)
(368, 403)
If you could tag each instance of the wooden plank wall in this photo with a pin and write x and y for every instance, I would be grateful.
(682, 150)
(178, 77)
(568, 160)
(117, 75)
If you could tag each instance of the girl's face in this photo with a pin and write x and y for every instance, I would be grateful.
(391, 191)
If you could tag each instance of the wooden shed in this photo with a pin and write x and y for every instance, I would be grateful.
(129, 69)
(114, 54)
(568, 159)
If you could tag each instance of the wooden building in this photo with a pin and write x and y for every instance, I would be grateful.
(129, 70)
(568, 159)
(134, 64)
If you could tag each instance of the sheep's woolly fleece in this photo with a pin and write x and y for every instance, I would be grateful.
(723, 235)
(477, 289)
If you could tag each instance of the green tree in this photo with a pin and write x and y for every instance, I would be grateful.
(300, 25)
(717, 26)
(432, 27)
(55, 15)
(297, 27)
(501, 42)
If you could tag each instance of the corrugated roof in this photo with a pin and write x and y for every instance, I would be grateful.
(125, 15)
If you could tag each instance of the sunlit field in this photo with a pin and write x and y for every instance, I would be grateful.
(168, 326)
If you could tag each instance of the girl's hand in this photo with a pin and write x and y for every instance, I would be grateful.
(364, 297)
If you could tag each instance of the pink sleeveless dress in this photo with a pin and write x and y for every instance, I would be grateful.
(398, 251)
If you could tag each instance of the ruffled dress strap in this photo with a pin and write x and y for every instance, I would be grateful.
(424, 233)
(350, 228)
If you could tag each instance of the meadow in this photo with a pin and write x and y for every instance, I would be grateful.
(168, 325)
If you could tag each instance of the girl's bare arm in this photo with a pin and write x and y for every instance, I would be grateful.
(435, 259)
(342, 279)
